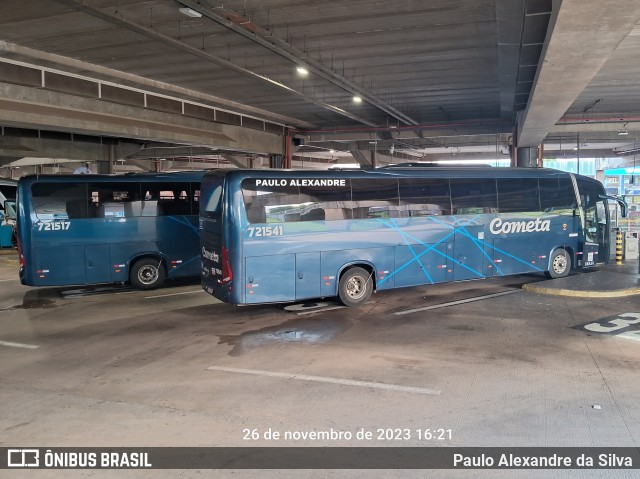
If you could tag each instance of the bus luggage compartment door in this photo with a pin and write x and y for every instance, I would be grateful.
(468, 253)
(269, 279)
(307, 275)
(421, 264)
(97, 263)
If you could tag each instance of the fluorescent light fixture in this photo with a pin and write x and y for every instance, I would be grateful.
(357, 99)
(302, 71)
(189, 12)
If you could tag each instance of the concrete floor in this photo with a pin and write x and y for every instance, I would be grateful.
(173, 367)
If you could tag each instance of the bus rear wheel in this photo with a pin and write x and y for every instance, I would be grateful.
(147, 273)
(355, 287)
(560, 264)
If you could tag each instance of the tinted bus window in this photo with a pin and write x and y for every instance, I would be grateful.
(556, 194)
(60, 200)
(326, 202)
(589, 192)
(169, 198)
(212, 196)
(518, 194)
(195, 197)
(7, 191)
(425, 197)
(116, 200)
(271, 203)
(473, 196)
(375, 198)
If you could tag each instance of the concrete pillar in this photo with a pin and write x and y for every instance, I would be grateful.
(527, 157)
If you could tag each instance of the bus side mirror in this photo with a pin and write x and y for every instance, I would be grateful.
(624, 209)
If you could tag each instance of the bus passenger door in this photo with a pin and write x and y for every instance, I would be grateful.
(307, 275)
(596, 235)
(269, 279)
(97, 263)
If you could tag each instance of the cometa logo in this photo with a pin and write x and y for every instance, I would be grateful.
(497, 226)
(210, 255)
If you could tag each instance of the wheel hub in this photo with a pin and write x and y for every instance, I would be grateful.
(148, 274)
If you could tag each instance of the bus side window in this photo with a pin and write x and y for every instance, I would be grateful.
(195, 204)
(556, 194)
(425, 197)
(518, 195)
(256, 214)
(477, 195)
(375, 198)
(77, 209)
(325, 203)
(270, 204)
(315, 214)
(60, 200)
(113, 199)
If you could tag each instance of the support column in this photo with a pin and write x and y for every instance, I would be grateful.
(288, 150)
(527, 157)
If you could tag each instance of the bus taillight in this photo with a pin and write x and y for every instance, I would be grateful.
(227, 274)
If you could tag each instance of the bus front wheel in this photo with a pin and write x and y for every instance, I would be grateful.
(147, 273)
(560, 264)
(355, 287)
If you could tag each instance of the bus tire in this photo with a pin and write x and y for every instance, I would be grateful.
(560, 264)
(355, 287)
(147, 273)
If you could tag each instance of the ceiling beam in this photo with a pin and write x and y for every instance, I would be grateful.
(582, 34)
(245, 27)
(172, 42)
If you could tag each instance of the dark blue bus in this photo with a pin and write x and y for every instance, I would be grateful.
(276, 236)
(90, 229)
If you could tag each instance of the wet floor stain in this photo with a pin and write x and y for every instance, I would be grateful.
(298, 330)
(32, 304)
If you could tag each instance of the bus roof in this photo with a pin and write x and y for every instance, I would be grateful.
(397, 171)
(195, 175)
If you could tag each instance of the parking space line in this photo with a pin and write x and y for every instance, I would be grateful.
(18, 345)
(454, 303)
(329, 380)
(174, 294)
(320, 310)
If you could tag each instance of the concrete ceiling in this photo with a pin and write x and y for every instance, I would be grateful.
(439, 74)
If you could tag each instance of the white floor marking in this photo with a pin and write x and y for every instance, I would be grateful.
(322, 379)
(453, 303)
(174, 294)
(319, 310)
(3, 280)
(18, 345)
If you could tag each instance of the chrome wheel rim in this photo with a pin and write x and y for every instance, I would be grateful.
(148, 274)
(559, 264)
(356, 287)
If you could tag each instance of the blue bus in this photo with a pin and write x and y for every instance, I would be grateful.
(278, 236)
(89, 229)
